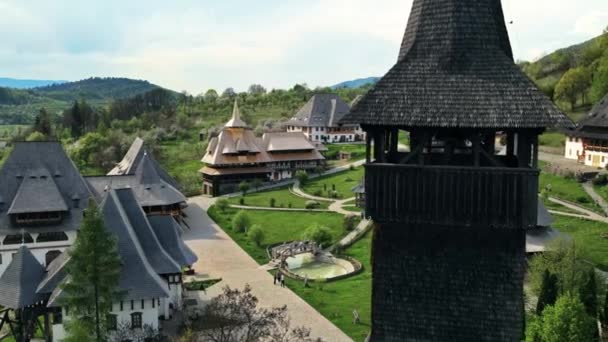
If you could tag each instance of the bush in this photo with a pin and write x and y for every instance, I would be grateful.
(334, 194)
(289, 205)
(222, 204)
(349, 222)
(273, 202)
(244, 187)
(582, 200)
(312, 205)
(321, 235)
(256, 235)
(317, 193)
(242, 201)
(351, 167)
(600, 180)
(241, 222)
(302, 176)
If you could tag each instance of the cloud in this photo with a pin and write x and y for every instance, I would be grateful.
(194, 45)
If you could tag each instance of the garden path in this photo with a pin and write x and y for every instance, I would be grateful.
(588, 186)
(220, 257)
(246, 207)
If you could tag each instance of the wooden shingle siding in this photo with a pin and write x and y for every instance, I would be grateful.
(434, 283)
(456, 196)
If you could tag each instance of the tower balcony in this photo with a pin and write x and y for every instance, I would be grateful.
(493, 197)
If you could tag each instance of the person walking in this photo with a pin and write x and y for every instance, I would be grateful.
(356, 319)
(275, 277)
(282, 280)
(306, 280)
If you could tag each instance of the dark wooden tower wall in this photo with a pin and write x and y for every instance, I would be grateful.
(451, 214)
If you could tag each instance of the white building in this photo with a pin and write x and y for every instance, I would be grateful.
(588, 142)
(318, 120)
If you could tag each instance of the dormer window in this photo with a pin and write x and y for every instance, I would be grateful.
(76, 201)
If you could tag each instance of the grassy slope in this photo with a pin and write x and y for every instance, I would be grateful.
(337, 300)
(282, 197)
(278, 227)
(568, 190)
(344, 182)
(587, 235)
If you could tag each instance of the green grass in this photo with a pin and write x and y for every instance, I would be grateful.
(278, 227)
(569, 190)
(588, 236)
(553, 139)
(558, 207)
(8, 131)
(337, 300)
(343, 181)
(602, 191)
(357, 150)
(352, 208)
(282, 197)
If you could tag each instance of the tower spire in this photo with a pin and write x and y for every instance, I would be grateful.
(236, 121)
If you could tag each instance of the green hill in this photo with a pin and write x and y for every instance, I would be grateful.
(19, 106)
(575, 77)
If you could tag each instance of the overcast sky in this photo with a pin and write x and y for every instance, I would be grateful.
(196, 45)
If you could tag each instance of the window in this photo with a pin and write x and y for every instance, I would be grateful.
(142, 304)
(112, 322)
(121, 308)
(50, 256)
(136, 320)
(52, 237)
(16, 239)
(132, 305)
(0, 258)
(589, 158)
(153, 303)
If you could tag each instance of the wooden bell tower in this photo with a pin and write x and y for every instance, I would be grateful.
(451, 213)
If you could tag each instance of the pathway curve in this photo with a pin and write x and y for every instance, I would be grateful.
(297, 190)
(220, 257)
(246, 207)
(588, 186)
(361, 228)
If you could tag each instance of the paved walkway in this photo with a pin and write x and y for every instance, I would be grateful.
(588, 186)
(246, 207)
(220, 257)
(584, 213)
(352, 236)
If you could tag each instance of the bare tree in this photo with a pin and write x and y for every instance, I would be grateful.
(234, 316)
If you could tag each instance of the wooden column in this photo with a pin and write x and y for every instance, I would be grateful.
(534, 139)
(368, 147)
(510, 144)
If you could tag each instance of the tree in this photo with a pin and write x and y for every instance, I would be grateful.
(548, 292)
(588, 293)
(244, 187)
(573, 84)
(256, 235)
(566, 321)
(93, 272)
(229, 93)
(349, 222)
(241, 222)
(211, 95)
(599, 85)
(302, 176)
(236, 317)
(257, 89)
(562, 261)
(42, 123)
(321, 235)
(222, 204)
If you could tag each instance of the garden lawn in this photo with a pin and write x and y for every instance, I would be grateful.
(558, 207)
(283, 198)
(552, 139)
(344, 182)
(337, 300)
(352, 208)
(278, 226)
(588, 237)
(357, 150)
(568, 189)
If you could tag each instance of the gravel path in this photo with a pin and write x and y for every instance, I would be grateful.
(596, 197)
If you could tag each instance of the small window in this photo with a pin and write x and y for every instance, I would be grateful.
(132, 305)
(0, 258)
(589, 158)
(142, 304)
(136, 320)
(112, 322)
(153, 303)
(121, 305)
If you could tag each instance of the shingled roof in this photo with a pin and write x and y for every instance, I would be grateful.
(167, 231)
(456, 69)
(19, 281)
(322, 110)
(595, 124)
(39, 176)
(235, 121)
(130, 162)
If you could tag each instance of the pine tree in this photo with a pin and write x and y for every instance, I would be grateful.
(588, 293)
(42, 123)
(93, 274)
(548, 292)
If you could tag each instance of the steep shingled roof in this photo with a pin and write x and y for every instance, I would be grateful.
(322, 110)
(130, 162)
(456, 69)
(595, 124)
(167, 231)
(19, 281)
(235, 121)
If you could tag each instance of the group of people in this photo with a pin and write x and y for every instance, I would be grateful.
(279, 277)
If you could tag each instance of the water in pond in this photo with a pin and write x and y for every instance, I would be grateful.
(306, 265)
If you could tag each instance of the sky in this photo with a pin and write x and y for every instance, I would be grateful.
(196, 45)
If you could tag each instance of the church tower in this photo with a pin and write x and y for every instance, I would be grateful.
(451, 213)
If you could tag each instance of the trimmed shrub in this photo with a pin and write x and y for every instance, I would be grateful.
(241, 222)
(600, 180)
(312, 205)
(273, 202)
(317, 193)
(302, 176)
(242, 200)
(256, 235)
(222, 204)
(321, 235)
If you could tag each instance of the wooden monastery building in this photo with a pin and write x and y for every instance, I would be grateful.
(451, 215)
(42, 201)
(588, 142)
(237, 155)
(318, 120)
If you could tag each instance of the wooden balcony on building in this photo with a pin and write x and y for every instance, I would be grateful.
(499, 197)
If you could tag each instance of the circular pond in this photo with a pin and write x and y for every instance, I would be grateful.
(313, 267)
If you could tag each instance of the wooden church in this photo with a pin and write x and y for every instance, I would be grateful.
(451, 215)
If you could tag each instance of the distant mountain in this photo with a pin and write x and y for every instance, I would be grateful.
(26, 84)
(358, 83)
(96, 88)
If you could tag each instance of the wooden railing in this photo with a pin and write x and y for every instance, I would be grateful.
(452, 196)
